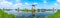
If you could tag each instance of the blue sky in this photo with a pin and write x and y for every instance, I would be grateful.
(44, 4)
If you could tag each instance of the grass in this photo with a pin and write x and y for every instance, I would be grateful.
(56, 15)
(6, 15)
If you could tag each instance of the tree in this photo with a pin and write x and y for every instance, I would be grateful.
(38, 10)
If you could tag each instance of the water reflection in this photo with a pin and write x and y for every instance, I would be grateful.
(29, 14)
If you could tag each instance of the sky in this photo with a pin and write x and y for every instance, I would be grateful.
(41, 4)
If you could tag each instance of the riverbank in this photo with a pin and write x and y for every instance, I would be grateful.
(56, 15)
(6, 15)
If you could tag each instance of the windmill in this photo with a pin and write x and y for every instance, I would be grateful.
(33, 11)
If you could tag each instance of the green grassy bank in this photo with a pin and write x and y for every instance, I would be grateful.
(56, 15)
(6, 15)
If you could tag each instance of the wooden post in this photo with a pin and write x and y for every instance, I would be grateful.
(18, 9)
(53, 9)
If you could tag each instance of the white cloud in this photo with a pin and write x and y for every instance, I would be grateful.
(45, 2)
(58, 1)
(35, 3)
(2, 0)
(17, 1)
(55, 4)
(6, 4)
(26, 3)
(18, 5)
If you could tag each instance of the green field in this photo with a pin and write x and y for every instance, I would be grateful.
(56, 15)
(6, 15)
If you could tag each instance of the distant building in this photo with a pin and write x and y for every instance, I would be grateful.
(43, 10)
(7, 9)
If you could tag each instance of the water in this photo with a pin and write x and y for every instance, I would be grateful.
(29, 14)
(37, 14)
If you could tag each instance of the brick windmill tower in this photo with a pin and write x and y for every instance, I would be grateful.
(33, 10)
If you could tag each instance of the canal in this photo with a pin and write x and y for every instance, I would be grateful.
(29, 14)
